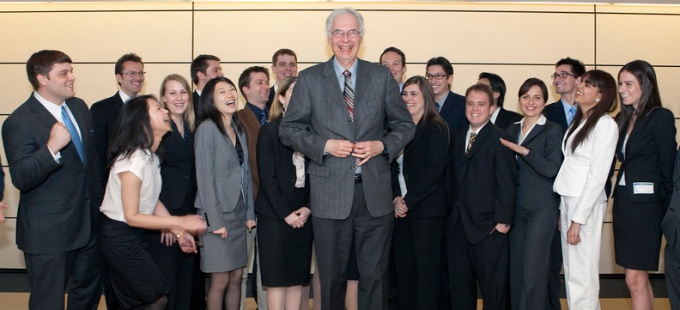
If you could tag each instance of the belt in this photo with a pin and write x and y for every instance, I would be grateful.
(357, 178)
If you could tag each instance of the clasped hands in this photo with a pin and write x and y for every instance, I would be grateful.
(298, 218)
(362, 150)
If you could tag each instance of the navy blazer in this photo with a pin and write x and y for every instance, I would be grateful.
(105, 115)
(195, 97)
(554, 112)
(59, 201)
(650, 156)
(424, 166)
(537, 171)
(453, 112)
(483, 183)
(506, 118)
(278, 197)
(178, 172)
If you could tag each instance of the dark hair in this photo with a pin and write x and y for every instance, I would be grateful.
(207, 109)
(481, 88)
(442, 62)
(394, 50)
(132, 130)
(531, 82)
(276, 109)
(606, 85)
(200, 64)
(430, 114)
(244, 79)
(41, 63)
(577, 67)
(649, 99)
(497, 85)
(283, 51)
(118, 68)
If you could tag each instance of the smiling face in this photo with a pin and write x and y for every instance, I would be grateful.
(587, 96)
(565, 85)
(285, 66)
(226, 98)
(630, 89)
(257, 91)
(415, 102)
(345, 47)
(159, 118)
(439, 87)
(131, 80)
(57, 86)
(392, 61)
(477, 109)
(532, 102)
(176, 98)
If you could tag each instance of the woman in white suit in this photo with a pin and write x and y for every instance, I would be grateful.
(225, 197)
(588, 148)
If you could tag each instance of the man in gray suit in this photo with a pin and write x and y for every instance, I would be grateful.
(346, 115)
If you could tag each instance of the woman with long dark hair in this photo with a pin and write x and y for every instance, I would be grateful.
(539, 156)
(420, 202)
(644, 185)
(225, 196)
(588, 149)
(131, 205)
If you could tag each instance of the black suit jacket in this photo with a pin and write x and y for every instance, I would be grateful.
(483, 183)
(57, 199)
(650, 156)
(272, 92)
(453, 112)
(505, 118)
(196, 97)
(537, 170)
(278, 197)
(105, 115)
(424, 167)
(178, 172)
(554, 112)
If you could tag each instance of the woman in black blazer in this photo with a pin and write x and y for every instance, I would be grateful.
(282, 205)
(644, 185)
(178, 190)
(539, 156)
(420, 202)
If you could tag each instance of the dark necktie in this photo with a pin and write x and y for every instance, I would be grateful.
(473, 136)
(348, 93)
(75, 138)
(437, 106)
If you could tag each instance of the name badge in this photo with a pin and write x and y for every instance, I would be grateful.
(643, 188)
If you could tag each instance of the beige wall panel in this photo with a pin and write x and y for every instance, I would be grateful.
(622, 38)
(93, 6)
(15, 85)
(10, 255)
(11, 195)
(637, 9)
(303, 32)
(607, 258)
(471, 37)
(98, 36)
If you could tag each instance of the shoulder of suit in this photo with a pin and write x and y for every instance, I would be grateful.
(107, 101)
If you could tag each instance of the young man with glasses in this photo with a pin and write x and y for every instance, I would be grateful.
(568, 72)
(451, 106)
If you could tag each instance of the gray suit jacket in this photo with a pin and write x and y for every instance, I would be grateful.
(218, 174)
(671, 222)
(317, 113)
(537, 170)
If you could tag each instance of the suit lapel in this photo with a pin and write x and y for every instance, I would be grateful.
(81, 120)
(448, 105)
(481, 138)
(364, 76)
(330, 82)
(533, 133)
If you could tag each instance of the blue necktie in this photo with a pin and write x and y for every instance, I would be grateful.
(572, 112)
(437, 106)
(75, 138)
(263, 118)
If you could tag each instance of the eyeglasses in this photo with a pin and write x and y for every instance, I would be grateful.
(134, 74)
(562, 75)
(338, 34)
(437, 76)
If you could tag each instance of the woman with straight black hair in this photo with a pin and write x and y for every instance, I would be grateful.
(536, 141)
(588, 149)
(420, 201)
(646, 150)
(225, 196)
(131, 206)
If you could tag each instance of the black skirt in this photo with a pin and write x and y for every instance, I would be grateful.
(285, 252)
(135, 279)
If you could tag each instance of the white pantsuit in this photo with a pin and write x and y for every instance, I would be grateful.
(581, 182)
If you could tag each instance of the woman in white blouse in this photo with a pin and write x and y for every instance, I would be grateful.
(588, 150)
(131, 205)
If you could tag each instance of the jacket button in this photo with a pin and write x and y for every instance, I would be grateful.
(353, 167)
